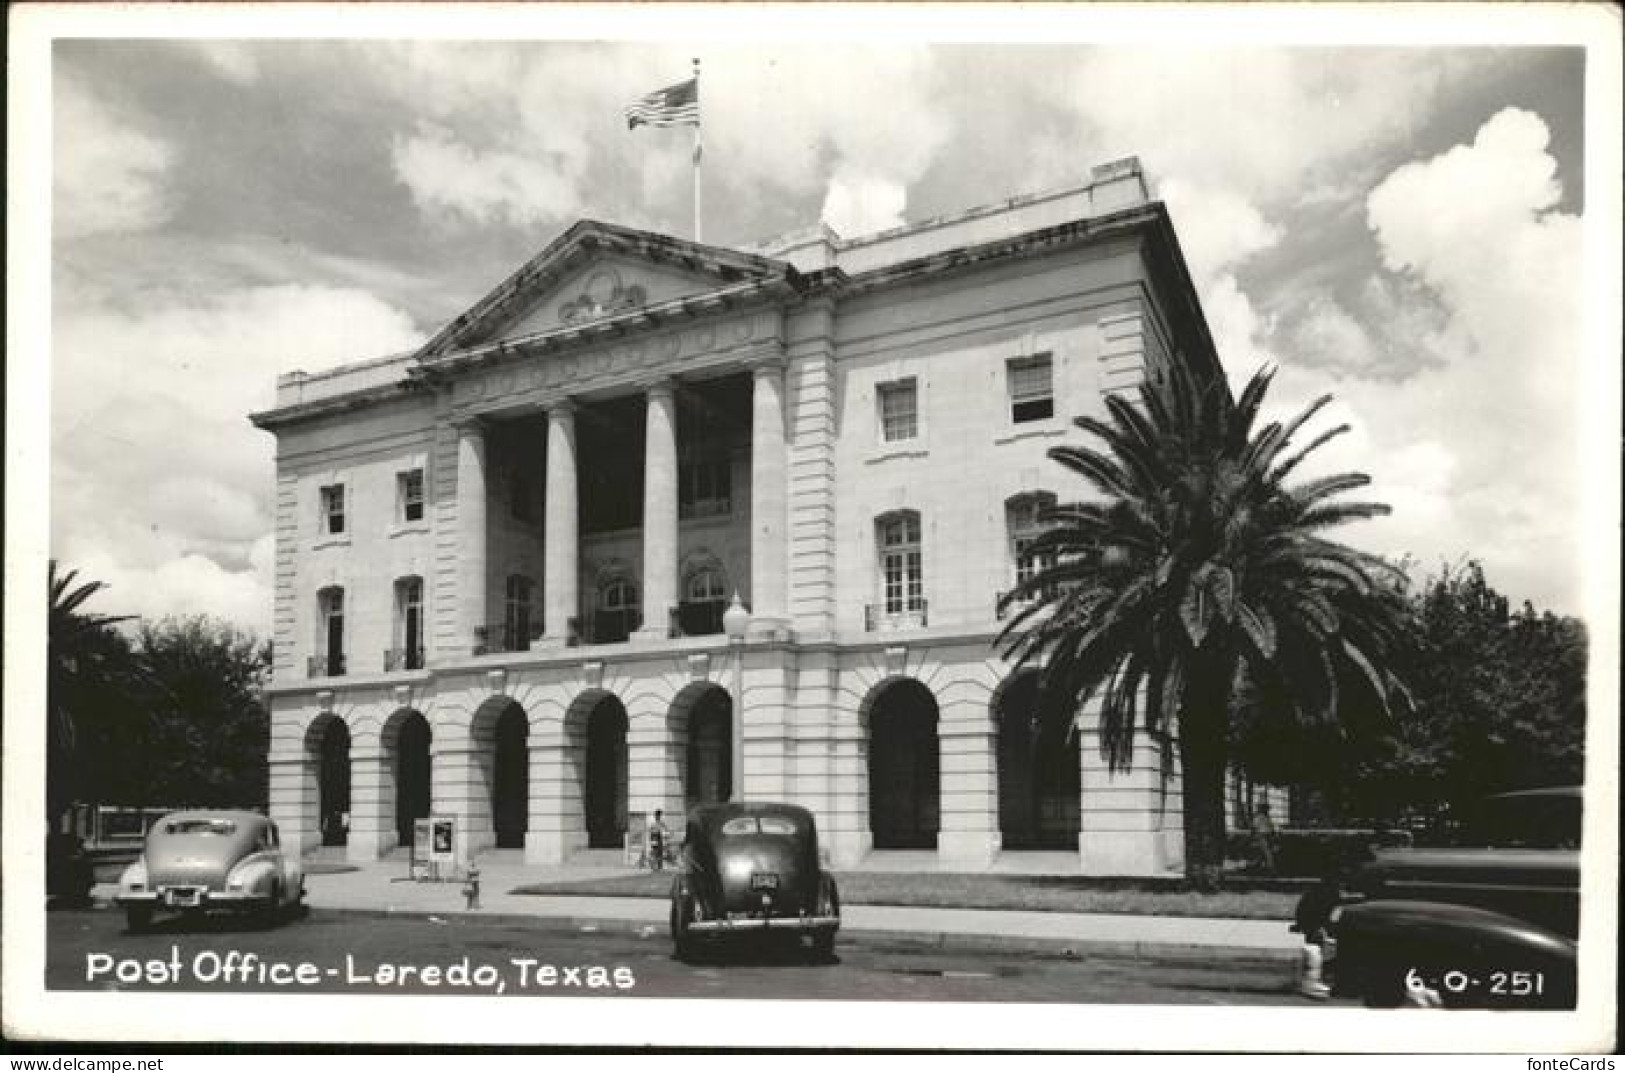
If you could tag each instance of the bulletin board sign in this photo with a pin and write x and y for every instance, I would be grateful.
(442, 839)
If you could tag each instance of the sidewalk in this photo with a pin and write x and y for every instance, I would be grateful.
(384, 887)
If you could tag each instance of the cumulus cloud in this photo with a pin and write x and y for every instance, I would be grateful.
(861, 204)
(159, 482)
(447, 176)
(1478, 452)
(232, 60)
(108, 174)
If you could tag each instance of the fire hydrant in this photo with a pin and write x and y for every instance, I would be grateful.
(471, 888)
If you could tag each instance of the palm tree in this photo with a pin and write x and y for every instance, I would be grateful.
(1199, 571)
(83, 664)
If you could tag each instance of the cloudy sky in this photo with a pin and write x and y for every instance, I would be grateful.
(1398, 226)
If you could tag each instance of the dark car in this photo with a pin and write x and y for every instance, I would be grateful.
(70, 873)
(752, 869)
(1489, 921)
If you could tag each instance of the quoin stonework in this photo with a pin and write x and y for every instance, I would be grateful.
(505, 562)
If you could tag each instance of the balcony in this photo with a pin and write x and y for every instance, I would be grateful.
(885, 617)
(403, 659)
(328, 666)
(697, 618)
(506, 637)
(603, 627)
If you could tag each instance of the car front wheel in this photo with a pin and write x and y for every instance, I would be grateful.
(137, 917)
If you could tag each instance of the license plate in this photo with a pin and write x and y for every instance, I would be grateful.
(764, 881)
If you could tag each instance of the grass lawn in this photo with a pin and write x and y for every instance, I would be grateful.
(954, 890)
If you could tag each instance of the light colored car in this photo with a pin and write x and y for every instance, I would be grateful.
(197, 861)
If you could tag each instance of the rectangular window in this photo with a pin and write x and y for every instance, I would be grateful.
(902, 576)
(411, 495)
(899, 411)
(332, 518)
(1032, 389)
(332, 636)
(516, 620)
(704, 488)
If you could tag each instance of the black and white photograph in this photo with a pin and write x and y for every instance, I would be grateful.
(916, 527)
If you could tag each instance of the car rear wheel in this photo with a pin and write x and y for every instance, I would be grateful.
(682, 915)
(137, 917)
(829, 905)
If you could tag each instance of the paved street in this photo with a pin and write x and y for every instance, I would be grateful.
(333, 951)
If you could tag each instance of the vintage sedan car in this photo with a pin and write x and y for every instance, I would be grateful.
(752, 869)
(196, 862)
(1488, 922)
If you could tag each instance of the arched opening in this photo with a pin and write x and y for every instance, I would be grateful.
(1038, 772)
(411, 762)
(904, 778)
(708, 771)
(510, 778)
(604, 795)
(333, 782)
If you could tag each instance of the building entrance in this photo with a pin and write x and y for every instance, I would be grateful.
(904, 779)
(710, 750)
(1038, 773)
(606, 782)
(333, 783)
(412, 794)
(510, 779)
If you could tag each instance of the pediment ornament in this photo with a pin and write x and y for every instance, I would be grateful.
(604, 295)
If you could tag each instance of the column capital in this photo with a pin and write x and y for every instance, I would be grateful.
(564, 406)
(468, 424)
(664, 386)
(767, 365)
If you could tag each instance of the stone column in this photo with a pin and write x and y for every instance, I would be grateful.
(372, 805)
(659, 511)
(561, 599)
(769, 455)
(471, 535)
(552, 832)
(292, 784)
(969, 835)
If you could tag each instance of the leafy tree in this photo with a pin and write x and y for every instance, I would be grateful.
(206, 733)
(1200, 573)
(90, 667)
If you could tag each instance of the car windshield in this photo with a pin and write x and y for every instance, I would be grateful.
(199, 827)
(766, 825)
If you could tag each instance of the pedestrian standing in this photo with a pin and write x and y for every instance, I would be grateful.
(1313, 921)
(657, 842)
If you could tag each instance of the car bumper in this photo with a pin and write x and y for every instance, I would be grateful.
(766, 923)
(189, 899)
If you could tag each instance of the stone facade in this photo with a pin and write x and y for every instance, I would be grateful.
(502, 559)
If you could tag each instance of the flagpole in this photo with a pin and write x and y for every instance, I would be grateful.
(696, 149)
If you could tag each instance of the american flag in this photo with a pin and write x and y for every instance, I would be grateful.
(669, 107)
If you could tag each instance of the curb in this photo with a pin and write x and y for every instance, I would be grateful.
(1286, 961)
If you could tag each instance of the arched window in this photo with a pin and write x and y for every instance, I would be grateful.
(408, 651)
(705, 598)
(901, 571)
(1023, 516)
(329, 658)
(620, 609)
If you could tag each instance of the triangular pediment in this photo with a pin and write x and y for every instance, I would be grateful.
(596, 272)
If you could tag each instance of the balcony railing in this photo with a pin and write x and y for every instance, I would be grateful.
(607, 627)
(505, 637)
(325, 666)
(907, 616)
(697, 618)
(403, 659)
